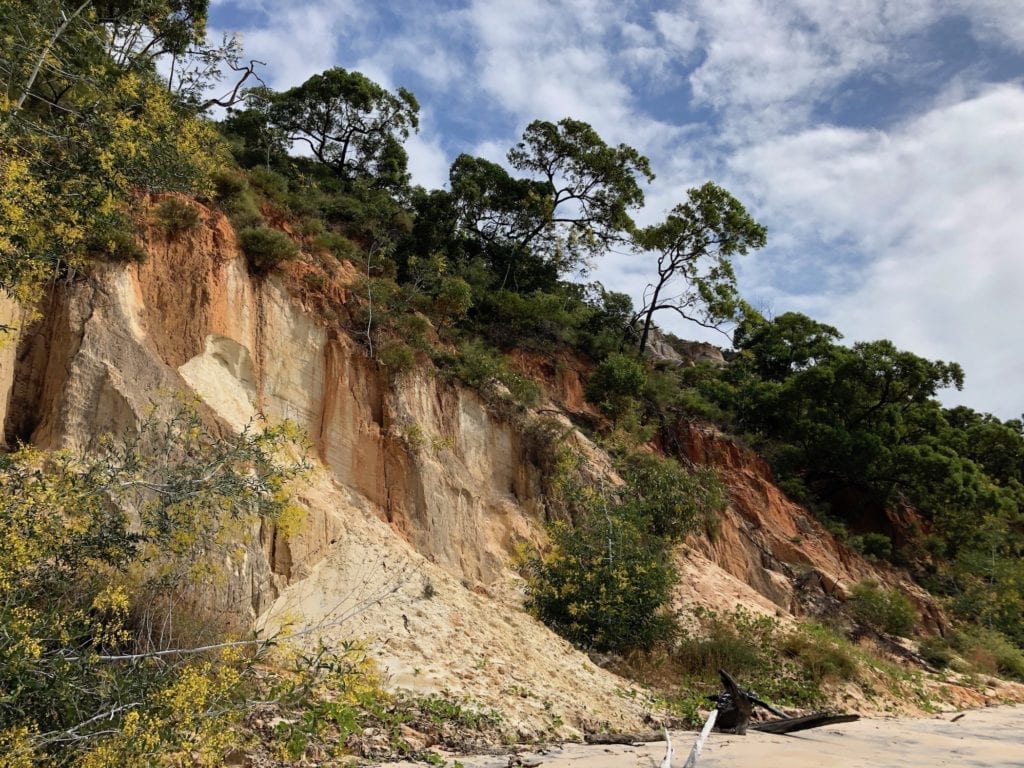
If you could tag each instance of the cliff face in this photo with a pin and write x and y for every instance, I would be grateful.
(427, 456)
(422, 490)
(772, 545)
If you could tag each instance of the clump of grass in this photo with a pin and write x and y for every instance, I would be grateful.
(175, 217)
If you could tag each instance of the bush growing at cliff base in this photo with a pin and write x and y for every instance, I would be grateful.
(881, 609)
(602, 584)
(95, 554)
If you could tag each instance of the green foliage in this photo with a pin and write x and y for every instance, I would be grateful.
(350, 123)
(271, 185)
(453, 299)
(615, 384)
(574, 203)
(266, 248)
(936, 651)
(671, 500)
(873, 545)
(602, 583)
(483, 368)
(112, 236)
(884, 610)
(695, 245)
(990, 652)
(174, 217)
(397, 356)
(85, 125)
(92, 551)
(784, 666)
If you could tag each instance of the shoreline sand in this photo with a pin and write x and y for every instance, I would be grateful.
(992, 737)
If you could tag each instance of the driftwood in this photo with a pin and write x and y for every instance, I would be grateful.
(633, 739)
(736, 704)
(732, 713)
(794, 724)
(666, 762)
(698, 745)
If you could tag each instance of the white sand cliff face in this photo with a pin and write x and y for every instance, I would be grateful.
(418, 481)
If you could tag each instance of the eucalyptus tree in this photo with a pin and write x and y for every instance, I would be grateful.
(573, 203)
(351, 124)
(695, 246)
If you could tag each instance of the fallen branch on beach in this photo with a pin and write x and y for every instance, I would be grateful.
(698, 745)
(626, 737)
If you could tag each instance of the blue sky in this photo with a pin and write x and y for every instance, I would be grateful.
(881, 142)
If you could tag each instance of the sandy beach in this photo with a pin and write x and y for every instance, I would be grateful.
(993, 738)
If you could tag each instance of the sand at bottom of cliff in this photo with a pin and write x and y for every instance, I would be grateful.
(989, 737)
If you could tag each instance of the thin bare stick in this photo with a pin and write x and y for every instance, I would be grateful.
(698, 745)
(46, 52)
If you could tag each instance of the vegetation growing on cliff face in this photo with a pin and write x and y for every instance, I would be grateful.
(103, 562)
(857, 430)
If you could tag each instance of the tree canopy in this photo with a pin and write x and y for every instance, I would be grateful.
(85, 124)
(573, 203)
(695, 245)
(350, 123)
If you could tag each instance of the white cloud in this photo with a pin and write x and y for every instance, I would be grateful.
(428, 162)
(933, 206)
(301, 40)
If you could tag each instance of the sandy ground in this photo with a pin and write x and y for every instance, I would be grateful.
(990, 737)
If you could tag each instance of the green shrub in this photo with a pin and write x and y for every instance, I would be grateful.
(820, 652)
(112, 236)
(175, 217)
(935, 651)
(784, 666)
(873, 545)
(603, 583)
(990, 652)
(883, 610)
(481, 368)
(229, 184)
(671, 499)
(453, 300)
(266, 248)
(273, 185)
(397, 356)
(339, 246)
(615, 384)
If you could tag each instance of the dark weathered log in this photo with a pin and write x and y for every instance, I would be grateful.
(735, 708)
(735, 704)
(794, 724)
(642, 737)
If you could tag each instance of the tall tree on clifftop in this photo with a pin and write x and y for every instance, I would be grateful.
(574, 203)
(695, 245)
(351, 124)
